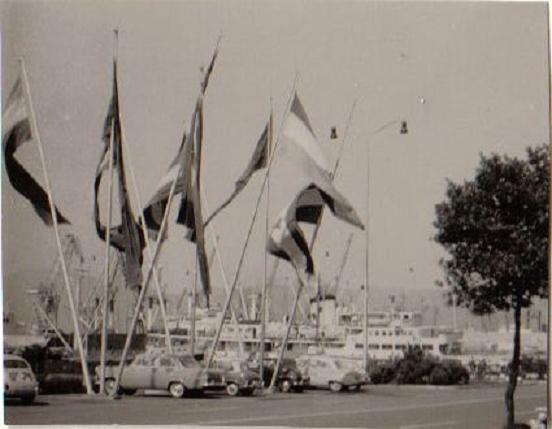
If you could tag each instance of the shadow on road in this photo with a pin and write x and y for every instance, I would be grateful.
(18, 403)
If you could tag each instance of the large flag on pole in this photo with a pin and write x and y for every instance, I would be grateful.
(189, 213)
(258, 161)
(126, 237)
(16, 130)
(313, 171)
(287, 240)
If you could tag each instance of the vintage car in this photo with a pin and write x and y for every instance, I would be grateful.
(327, 371)
(159, 370)
(19, 379)
(290, 378)
(239, 378)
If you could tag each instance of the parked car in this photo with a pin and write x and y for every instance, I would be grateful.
(19, 379)
(290, 378)
(159, 370)
(239, 378)
(327, 371)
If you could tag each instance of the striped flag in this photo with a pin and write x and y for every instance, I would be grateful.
(16, 130)
(287, 240)
(156, 206)
(258, 161)
(302, 150)
(126, 237)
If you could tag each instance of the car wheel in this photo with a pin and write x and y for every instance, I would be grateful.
(129, 392)
(298, 389)
(27, 400)
(232, 389)
(335, 386)
(177, 389)
(285, 386)
(110, 387)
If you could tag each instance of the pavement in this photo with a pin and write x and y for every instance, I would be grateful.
(397, 407)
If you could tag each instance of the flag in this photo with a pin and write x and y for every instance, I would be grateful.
(189, 213)
(126, 237)
(258, 161)
(287, 240)
(313, 172)
(311, 201)
(16, 130)
(156, 206)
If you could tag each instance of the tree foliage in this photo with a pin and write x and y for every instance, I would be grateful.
(495, 231)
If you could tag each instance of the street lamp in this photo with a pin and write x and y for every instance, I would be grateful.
(403, 130)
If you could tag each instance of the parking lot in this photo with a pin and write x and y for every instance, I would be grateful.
(406, 407)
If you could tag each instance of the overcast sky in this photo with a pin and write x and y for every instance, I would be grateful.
(467, 77)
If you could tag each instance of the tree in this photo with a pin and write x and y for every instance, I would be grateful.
(495, 231)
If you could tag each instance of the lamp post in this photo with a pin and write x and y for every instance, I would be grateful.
(366, 286)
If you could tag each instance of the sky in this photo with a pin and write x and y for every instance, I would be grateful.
(468, 78)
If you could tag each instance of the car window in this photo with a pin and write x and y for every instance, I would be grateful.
(165, 362)
(142, 361)
(321, 364)
(188, 362)
(15, 363)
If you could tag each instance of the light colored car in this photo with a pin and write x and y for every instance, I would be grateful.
(19, 379)
(239, 378)
(327, 371)
(159, 370)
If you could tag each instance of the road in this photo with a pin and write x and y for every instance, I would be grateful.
(394, 407)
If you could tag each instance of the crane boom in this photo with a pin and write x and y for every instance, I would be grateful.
(342, 265)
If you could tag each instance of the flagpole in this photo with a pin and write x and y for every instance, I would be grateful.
(288, 331)
(251, 224)
(223, 272)
(142, 222)
(105, 313)
(549, 335)
(35, 133)
(144, 288)
(264, 308)
(193, 313)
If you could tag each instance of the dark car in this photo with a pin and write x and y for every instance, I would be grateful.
(239, 378)
(290, 378)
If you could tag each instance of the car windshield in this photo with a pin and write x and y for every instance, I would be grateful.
(15, 363)
(188, 361)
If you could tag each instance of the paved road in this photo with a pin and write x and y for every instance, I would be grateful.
(376, 407)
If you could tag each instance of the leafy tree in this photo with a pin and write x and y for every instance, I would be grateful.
(495, 231)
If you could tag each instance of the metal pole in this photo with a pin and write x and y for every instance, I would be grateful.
(223, 272)
(36, 135)
(142, 222)
(548, 382)
(367, 256)
(252, 223)
(193, 313)
(145, 286)
(264, 290)
(288, 330)
(105, 314)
